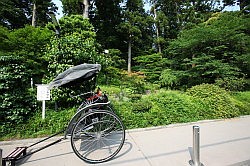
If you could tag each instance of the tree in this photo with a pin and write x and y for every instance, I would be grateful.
(74, 7)
(17, 101)
(105, 18)
(40, 10)
(135, 27)
(76, 45)
(14, 14)
(180, 13)
(151, 65)
(21, 60)
(215, 50)
(28, 43)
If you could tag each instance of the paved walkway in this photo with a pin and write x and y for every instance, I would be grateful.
(223, 143)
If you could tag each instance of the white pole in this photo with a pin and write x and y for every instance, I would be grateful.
(43, 110)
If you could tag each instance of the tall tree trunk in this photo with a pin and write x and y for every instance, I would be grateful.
(33, 22)
(193, 64)
(157, 31)
(129, 55)
(85, 9)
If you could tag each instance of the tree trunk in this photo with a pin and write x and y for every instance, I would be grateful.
(193, 64)
(85, 9)
(129, 56)
(33, 22)
(157, 31)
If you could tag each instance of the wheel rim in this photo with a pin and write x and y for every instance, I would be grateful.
(98, 136)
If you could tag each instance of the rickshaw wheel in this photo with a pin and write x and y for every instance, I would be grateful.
(97, 136)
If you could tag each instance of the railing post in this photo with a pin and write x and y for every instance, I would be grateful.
(196, 147)
(1, 157)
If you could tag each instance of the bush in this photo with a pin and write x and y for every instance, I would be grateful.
(21, 60)
(213, 101)
(76, 45)
(134, 81)
(36, 126)
(172, 107)
(242, 101)
(232, 84)
(141, 106)
(168, 78)
(17, 101)
(151, 65)
(163, 108)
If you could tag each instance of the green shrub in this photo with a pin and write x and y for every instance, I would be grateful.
(141, 105)
(232, 84)
(17, 100)
(37, 127)
(172, 107)
(213, 101)
(135, 97)
(242, 101)
(164, 107)
(111, 90)
(168, 78)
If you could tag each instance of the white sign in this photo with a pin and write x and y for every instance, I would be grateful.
(43, 93)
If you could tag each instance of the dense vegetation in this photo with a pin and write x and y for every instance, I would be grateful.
(181, 61)
(163, 107)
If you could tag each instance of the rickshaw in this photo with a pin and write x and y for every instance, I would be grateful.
(96, 133)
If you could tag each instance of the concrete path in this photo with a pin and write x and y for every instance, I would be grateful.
(223, 143)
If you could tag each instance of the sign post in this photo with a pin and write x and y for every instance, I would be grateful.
(43, 94)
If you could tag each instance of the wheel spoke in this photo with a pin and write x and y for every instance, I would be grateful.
(97, 136)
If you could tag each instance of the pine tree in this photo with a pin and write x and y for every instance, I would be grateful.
(136, 28)
(105, 18)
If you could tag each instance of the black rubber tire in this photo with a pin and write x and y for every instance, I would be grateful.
(98, 131)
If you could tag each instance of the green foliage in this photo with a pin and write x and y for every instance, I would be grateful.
(76, 24)
(162, 108)
(167, 107)
(168, 78)
(76, 45)
(106, 17)
(13, 13)
(159, 108)
(141, 105)
(214, 50)
(135, 29)
(43, 7)
(232, 83)
(17, 14)
(17, 100)
(21, 60)
(133, 81)
(151, 65)
(213, 101)
(111, 72)
(37, 127)
(28, 44)
(71, 7)
(242, 101)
